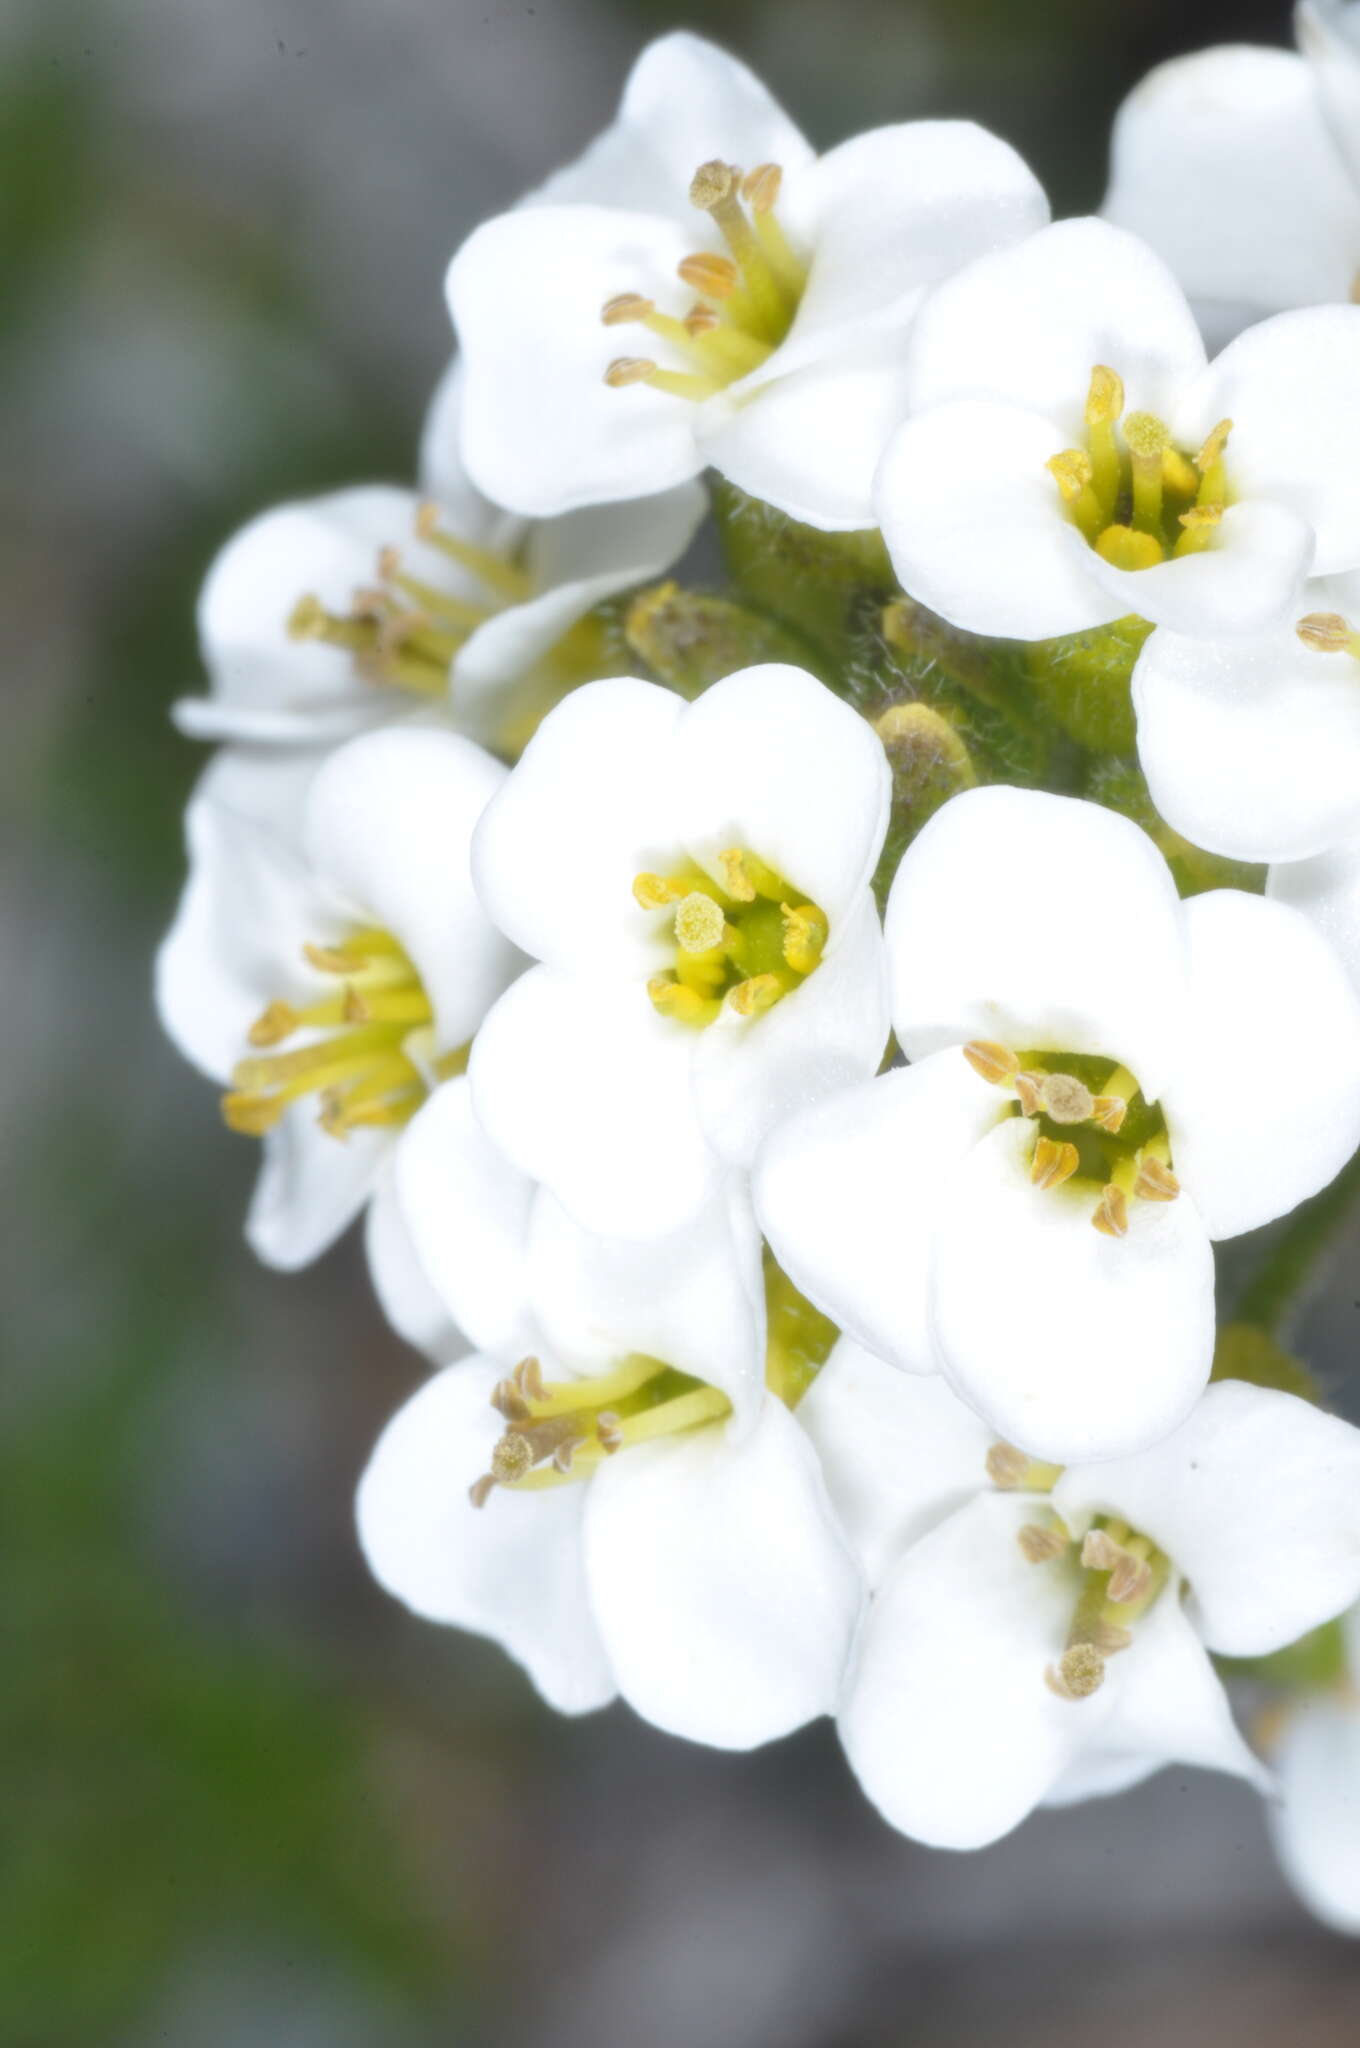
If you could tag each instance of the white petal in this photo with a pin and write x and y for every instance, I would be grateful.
(389, 822)
(542, 431)
(1274, 220)
(467, 1210)
(695, 1299)
(1077, 1345)
(1316, 1824)
(771, 760)
(468, 514)
(511, 1570)
(249, 906)
(1027, 325)
(1288, 386)
(1264, 1107)
(587, 808)
(410, 1303)
(1327, 891)
(750, 1073)
(1326, 33)
(1102, 1774)
(947, 1721)
(311, 1186)
(265, 684)
(576, 562)
(1250, 747)
(1042, 922)
(587, 1089)
(809, 442)
(1256, 1499)
(899, 1451)
(848, 1194)
(975, 524)
(1249, 578)
(722, 1586)
(891, 212)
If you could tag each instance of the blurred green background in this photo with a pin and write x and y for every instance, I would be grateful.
(242, 1797)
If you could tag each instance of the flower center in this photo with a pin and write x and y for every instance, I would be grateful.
(748, 942)
(560, 1431)
(746, 296)
(1093, 1130)
(403, 632)
(1135, 497)
(357, 1059)
(1117, 1574)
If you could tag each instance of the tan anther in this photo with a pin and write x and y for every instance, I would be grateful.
(566, 1451)
(1007, 1468)
(481, 1490)
(1066, 1099)
(528, 1377)
(609, 1431)
(1145, 434)
(356, 1009)
(700, 320)
(736, 881)
(1324, 632)
(625, 307)
(1130, 1575)
(760, 992)
(1054, 1162)
(308, 619)
(717, 277)
(507, 1400)
(1039, 1545)
(760, 187)
(1109, 1111)
(629, 370)
(1078, 1673)
(656, 892)
(699, 923)
(712, 184)
(512, 1458)
(805, 935)
(1212, 451)
(277, 1022)
(1124, 547)
(993, 1062)
(1155, 1182)
(1198, 517)
(1029, 1087)
(1109, 1638)
(1072, 471)
(1105, 397)
(1111, 1216)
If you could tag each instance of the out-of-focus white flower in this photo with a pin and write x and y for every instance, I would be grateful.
(323, 618)
(1239, 166)
(765, 307)
(1326, 890)
(630, 1508)
(1315, 1822)
(694, 880)
(329, 962)
(1043, 1635)
(1251, 747)
(1087, 1050)
(1071, 458)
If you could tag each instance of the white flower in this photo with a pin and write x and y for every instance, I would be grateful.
(1071, 458)
(1251, 747)
(1326, 890)
(1316, 1820)
(694, 880)
(1039, 1635)
(628, 1509)
(775, 352)
(1229, 163)
(1087, 1050)
(328, 962)
(323, 618)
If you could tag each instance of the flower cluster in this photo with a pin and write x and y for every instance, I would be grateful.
(796, 1045)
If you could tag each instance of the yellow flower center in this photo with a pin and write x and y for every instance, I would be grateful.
(1135, 497)
(359, 1041)
(746, 296)
(403, 632)
(748, 941)
(1094, 1132)
(558, 1432)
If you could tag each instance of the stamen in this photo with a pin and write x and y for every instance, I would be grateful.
(1079, 1672)
(1213, 481)
(507, 579)
(1328, 633)
(711, 275)
(995, 1063)
(654, 892)
(1073, 471)
(1130, 1573)
(1053, 1163)
(761, 992)
(714, 190)
(1109, 1112)
(1198, 527)
(1040, 1545)
(805, 936)
(1111, 1216)
(683, 1005)
(1013, 1471)
(1125, 547)
(1155, 1181)
(642, 370)
(760, 187)
(1104, 404)
(625, 308)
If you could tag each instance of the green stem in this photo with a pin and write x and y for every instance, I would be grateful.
(1275, 1287)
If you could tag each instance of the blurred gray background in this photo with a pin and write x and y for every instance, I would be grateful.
(242, 1797)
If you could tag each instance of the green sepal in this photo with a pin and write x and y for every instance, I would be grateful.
(1315, 1663)
(691, 638)
(823, 584)
(1082, 683)
(1244, 1351)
